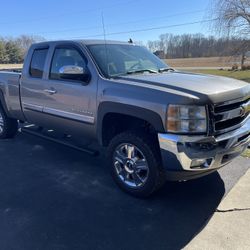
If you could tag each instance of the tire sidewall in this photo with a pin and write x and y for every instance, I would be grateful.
(3, 133)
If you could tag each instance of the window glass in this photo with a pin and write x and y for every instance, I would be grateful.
(38, 62)
(115, 59)
(66, 57)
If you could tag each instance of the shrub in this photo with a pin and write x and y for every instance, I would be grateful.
(245, 67)
(235, 67)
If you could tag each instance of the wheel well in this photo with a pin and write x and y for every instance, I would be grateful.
(115, 123)
(2, 102)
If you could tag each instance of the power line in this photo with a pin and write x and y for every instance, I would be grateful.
(71, 13)
(146, 29)
(122, 23)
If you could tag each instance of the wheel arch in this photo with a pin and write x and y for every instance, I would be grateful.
(3, 103)
(117, 110)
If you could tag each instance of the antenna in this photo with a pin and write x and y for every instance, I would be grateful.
(105, 41)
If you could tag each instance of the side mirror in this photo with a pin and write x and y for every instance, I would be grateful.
(71, 70)
(76, 73)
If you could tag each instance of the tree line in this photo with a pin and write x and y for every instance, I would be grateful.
(13, 50)
(196, 45)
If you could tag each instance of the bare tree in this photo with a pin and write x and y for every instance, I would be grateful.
(24, 42)
(13, 50)
(197, 45)
(233, 17)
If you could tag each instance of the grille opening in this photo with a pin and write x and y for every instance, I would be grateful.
(229, 123)
(221, 125)
(224, 108)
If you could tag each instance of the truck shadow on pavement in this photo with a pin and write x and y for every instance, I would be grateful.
(52, 197)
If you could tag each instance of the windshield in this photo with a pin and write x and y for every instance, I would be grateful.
(121, 59)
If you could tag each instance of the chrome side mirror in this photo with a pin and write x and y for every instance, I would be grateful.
(75, 73)
(71, 70)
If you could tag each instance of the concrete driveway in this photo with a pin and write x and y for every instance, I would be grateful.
(52, 197)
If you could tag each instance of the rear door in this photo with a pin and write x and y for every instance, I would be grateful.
(33, 95)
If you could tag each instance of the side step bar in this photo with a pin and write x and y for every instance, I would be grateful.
(39, 134)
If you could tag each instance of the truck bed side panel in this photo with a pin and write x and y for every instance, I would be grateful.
(10, 86)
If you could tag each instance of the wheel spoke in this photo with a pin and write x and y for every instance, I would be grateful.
(141, 165)
(124, 174)
(130, 151)
(137, 179)
(120, 157)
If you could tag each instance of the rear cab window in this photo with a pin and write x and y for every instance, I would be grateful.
(38, 63)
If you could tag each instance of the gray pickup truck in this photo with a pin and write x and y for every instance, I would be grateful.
(157, 123)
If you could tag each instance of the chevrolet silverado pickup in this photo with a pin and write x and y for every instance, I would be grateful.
(157, 123)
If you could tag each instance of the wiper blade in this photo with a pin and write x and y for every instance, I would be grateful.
(142, 71)
(165, 70)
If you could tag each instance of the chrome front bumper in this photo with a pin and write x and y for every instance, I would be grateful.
(199, 155)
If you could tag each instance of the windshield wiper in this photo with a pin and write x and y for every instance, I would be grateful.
(141, 71)
(165, 70)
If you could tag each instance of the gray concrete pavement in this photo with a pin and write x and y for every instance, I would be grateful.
(229, 228)
(52, 197)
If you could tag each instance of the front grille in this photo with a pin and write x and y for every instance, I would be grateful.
(230, 115)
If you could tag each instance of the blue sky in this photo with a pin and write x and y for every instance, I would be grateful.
(64, 19)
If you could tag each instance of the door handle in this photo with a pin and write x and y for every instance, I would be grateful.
(50, 91)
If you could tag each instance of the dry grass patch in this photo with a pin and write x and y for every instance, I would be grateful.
(11, 66)
(219, 62)
(240, 75)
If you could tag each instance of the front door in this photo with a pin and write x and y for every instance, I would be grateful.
(70, 104)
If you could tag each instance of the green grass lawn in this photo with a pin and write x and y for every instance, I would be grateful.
(241, 75)
(246, 153)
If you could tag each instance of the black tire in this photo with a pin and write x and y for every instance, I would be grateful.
(149, 147)
(8, 126)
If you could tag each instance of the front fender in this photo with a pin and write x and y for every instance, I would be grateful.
(118, 108)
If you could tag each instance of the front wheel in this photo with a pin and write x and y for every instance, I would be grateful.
(8, 126)
(135, 163)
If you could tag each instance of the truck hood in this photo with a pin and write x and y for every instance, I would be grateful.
(217, 89)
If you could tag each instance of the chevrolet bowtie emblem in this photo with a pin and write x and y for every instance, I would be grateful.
(245, 108)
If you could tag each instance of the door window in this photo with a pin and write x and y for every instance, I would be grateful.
(66, 57)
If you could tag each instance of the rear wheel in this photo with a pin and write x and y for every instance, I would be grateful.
(8, 126)
(135, 163)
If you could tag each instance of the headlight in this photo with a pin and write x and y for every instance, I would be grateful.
(186, 119)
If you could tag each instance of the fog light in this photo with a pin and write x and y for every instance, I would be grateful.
(201, 163)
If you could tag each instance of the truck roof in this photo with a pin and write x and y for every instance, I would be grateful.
(84, 42)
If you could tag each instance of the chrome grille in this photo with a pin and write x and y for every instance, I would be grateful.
(230, 115)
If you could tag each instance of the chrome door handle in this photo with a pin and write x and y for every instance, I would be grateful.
(50, 91)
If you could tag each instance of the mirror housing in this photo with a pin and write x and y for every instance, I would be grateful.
(71, 70)
(75, 73)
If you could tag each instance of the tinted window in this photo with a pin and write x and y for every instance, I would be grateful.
(66, 57)
(38, 62)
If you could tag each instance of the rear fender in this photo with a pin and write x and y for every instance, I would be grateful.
(3, 103)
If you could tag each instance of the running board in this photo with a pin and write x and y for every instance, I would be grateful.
(82, 149)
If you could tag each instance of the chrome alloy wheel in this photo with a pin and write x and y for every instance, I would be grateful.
(1, 123)
(130, 165)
